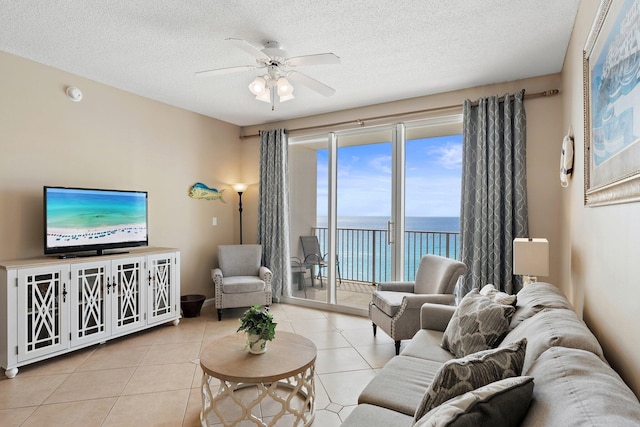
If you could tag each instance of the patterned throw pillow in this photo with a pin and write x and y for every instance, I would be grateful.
(459, 376)
(498, 296)
(502, 403)
(477, 324)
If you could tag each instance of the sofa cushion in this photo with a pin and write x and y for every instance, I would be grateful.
(477, 324)
(553, 328)
(425, 344)
(497, 295)
(388, 301)
(459, 376)
(242, 284)
(400, 385)
(365, 415)
(576, 388)
(536, 297)
(502, 403)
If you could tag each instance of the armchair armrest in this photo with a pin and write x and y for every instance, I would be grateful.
(216, 275)
(436, 316)
(396, 286)
(417, 300)
(266, 275)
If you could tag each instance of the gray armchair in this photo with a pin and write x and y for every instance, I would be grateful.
(395, 306)
(240, 280)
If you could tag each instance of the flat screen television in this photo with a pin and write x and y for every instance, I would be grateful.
(84, 219)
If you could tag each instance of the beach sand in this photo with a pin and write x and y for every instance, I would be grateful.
(61, 237)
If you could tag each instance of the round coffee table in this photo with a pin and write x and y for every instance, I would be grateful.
(283, 380)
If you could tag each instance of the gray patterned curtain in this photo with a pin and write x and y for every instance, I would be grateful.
(494, 190)
(273, 208)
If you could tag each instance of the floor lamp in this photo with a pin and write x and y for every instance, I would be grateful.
(240, 188)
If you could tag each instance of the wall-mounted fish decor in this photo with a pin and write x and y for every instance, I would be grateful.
(201, 191)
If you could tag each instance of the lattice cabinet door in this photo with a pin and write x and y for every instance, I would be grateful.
(43, 304)
(163, 288)
(127, 295)
(90, 302)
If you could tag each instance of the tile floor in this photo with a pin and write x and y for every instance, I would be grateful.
(152, 378)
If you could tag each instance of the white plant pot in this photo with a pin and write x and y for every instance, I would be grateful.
(256, 344)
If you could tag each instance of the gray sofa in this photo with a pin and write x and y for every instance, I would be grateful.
(573, 383)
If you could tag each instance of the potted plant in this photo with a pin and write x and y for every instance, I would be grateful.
(260, 328)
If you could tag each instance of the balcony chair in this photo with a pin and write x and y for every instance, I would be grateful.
(313, 258)
(395, 306)
(240, 280)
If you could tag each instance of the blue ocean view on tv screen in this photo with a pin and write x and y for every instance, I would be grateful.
(83, 217)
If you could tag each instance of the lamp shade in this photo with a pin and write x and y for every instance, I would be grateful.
(258, 86)
(240, 187)
(264, 96)
(285, 89)
(531, 257)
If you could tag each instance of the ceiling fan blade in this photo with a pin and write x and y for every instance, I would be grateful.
(311, 83)
(229, 70)
(318, 59)
(250, 49)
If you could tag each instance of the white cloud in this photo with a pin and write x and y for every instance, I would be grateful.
(448, 156)
(381, 164)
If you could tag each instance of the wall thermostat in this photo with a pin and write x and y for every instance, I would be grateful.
(74, 94)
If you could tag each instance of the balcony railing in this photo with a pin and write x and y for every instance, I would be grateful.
(365, 255)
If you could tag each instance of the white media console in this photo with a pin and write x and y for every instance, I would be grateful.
(51, 306)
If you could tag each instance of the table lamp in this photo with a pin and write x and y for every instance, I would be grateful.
(530, 258)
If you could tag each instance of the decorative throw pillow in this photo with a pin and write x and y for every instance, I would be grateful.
(502, 403)
(498, 296)
(458, 376)
(477, 324)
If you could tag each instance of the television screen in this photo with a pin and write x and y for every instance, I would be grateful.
(81, 219)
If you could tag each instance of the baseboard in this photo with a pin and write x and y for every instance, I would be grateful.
(208, 302)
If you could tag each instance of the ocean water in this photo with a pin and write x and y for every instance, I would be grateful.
(364, 253)
(412, 223)
(84, 210)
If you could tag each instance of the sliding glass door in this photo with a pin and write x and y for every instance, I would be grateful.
(371, 198)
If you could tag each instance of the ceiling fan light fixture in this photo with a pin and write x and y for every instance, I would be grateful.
(265, 96)
(284, 87)
(258, 86)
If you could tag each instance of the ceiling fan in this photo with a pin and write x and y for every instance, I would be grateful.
(278, 69)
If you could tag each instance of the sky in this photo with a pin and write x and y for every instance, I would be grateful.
(433, 171)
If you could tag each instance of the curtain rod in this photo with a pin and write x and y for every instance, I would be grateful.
(360, 122)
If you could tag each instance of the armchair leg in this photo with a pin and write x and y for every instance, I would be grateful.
(219, 314)
(397, 348)
(375, 328)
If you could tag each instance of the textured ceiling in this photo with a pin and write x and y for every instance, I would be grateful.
(390, 50)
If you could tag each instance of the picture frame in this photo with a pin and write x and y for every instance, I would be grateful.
(611, 83)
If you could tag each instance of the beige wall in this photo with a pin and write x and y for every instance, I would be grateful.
(601, 245)
(544, 137)
(112, 139)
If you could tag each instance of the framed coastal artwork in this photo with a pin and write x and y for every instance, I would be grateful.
(612, 105)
